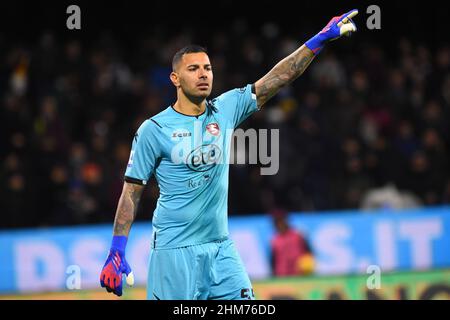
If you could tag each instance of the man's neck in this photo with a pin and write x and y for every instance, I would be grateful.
(188, 107)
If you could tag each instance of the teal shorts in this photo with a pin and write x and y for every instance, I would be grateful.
(210, 271)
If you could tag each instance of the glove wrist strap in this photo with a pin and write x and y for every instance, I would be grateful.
(316, 43)
(119, 243)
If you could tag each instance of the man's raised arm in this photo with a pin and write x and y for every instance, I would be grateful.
(284, 72)
(291, 67)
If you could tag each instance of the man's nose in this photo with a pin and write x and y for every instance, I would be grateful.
(202, 74)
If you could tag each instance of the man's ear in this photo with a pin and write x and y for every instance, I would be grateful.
(174, 78)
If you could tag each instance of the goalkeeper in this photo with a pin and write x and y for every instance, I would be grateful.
(192, 256)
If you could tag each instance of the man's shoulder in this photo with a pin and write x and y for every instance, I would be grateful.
(155, 122)
(232, 92)
(232, 95)
(162, 116)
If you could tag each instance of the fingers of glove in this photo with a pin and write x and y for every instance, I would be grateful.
(130, 279)
(118, 290)
(347, 28)
(128, 273)
(345, 18)
(102, 280)
(107, 284)
(352, 13)
(116, 281)
(112, 284)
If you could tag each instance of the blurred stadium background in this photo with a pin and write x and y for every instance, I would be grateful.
(364, 153)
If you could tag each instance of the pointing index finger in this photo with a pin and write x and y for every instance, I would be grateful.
(348, 16)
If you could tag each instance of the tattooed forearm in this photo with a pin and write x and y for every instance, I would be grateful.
(127, 208)
(284, 72)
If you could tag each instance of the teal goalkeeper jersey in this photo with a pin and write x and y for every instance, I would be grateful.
(189, 156)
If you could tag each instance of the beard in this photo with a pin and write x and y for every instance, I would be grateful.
(196, 96)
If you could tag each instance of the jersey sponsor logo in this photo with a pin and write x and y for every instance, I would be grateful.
(204, 157)
(180, 133)
(213, 128)
(195, 183)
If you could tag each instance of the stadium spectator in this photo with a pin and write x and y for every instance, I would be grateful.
(291, 252)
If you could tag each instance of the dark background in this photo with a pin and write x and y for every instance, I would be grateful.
(26, 20)
(65, 138)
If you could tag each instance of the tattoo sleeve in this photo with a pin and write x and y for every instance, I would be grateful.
(127, 208)
(283, 73)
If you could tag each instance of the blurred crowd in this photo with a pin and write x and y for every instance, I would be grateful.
(361, 119)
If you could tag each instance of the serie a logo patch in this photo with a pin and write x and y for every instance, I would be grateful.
(130, 161)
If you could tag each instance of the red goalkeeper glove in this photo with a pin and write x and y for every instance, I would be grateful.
(337, 27)
(115, 266)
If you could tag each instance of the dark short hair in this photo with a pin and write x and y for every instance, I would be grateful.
(192, 48)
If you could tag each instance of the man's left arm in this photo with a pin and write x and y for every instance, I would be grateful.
(284, 72)
(291, 67)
